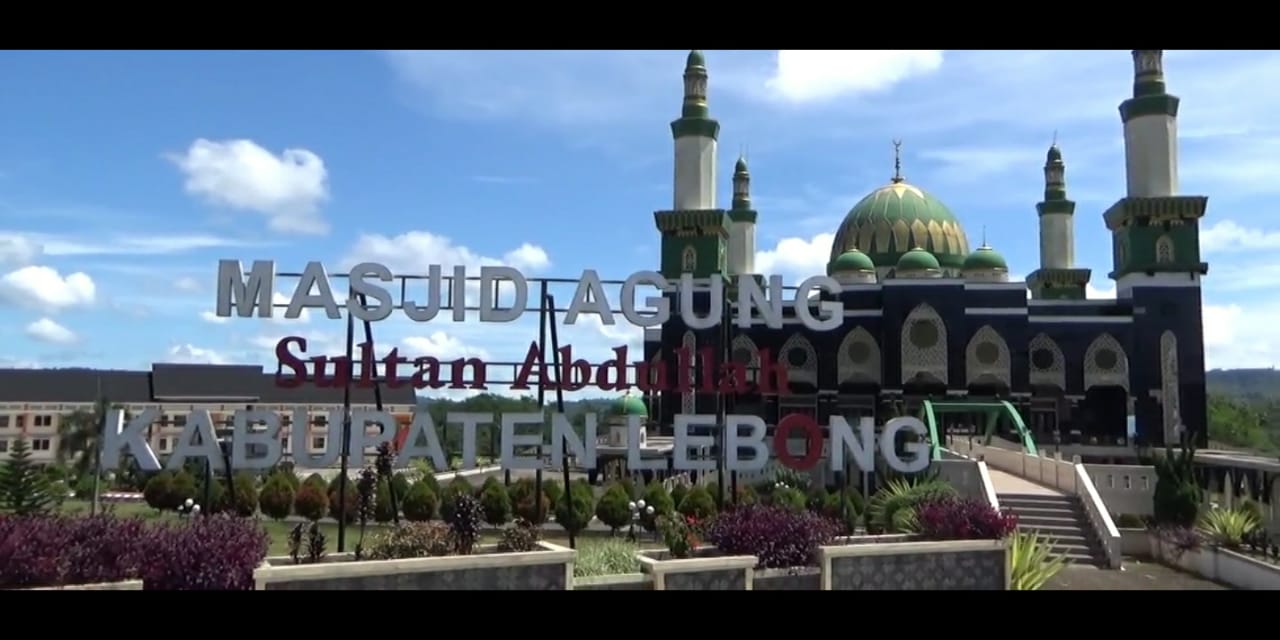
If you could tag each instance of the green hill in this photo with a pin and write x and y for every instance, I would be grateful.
(1244, 408)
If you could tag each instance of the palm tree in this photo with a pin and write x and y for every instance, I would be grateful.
(80, 443)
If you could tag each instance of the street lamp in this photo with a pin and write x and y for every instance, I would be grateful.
(189, 508)
(637, 509)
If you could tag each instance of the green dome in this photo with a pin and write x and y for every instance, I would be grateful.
(985, 259)
(852, 260)
(740, 166)
(897, 218)
(630, 405)
(1054, 155)
(918, 260)
(695, 59)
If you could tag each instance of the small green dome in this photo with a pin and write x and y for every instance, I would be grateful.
(695, 59)
(1054, 155)
(897, 218)
(630, 405)
(740, 166)
(918, 260)
(851, 260)
(985, 259)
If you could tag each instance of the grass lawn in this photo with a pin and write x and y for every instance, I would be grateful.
(279, 530)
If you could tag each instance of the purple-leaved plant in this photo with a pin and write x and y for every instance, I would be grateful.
(777, 536)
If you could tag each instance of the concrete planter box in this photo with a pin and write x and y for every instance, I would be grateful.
(620, 582)
(954, 565)
(1220, 565)
(1134, 543)
(549, 568)
(706, 571)
(127, 585)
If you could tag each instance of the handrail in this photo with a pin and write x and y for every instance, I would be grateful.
(1099, 517)
(988, 487)
(1028, 442)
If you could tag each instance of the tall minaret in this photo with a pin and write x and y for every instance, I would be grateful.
(1150, 129)
(1057, 277)
(742, 232)
(695, 136)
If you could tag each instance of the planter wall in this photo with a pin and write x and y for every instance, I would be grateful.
(794, 579)
(621, 582)
(127, 585)
(549, 568)
(960, 565)
(1220, 565)
(1134, 542)
(704, 572)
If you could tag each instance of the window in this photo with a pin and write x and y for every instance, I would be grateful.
(320, 421)
(4, 446)
(180, 421)
(1164, 250)
(689, 260)
(40, 444)
(318, 443)
(21, 421)
(43, 421)
(163, 444)
(4, 422)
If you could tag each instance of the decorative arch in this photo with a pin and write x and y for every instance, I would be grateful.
(688, 404)
(987, 358)
(1105, 364)
(859, 358)
(689, 259)
(924, 345)
(744, 351)
(801, 360)
(1048, 366)
(1164, 250)
(1170, 396)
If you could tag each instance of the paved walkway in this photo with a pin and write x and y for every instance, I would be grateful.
(1008, 483)
(1136, 576)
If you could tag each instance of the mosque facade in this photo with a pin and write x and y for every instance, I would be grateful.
(927, 316)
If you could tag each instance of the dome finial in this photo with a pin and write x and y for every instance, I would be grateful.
(984, 236)
(897, 162)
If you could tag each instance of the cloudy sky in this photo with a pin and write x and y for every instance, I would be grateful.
(124, 177)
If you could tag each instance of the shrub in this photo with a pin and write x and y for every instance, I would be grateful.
(1031, 561)
(778, 536)
(554, 492)
(1227, 527)
(698, 504)
(495, 502)
(245, 503)
(184, 487)
(629, 485)
(316, 480)
(420, 503)
(606, 557)
(522, 501)
(963, 519)
(682, 534)
(400, 482)
(457, 488)
(158, 492)
(746, 495)
(212, 553)
(1177, 497)
(574, 511)
(411, 540)
(425, 475)
(614, 508)
(351, 509)
(285, 471)
(816, 499)
(277, 498)
(217, 496)
(520, 536)
(382, 509)
(1252, 506)
(656, 496)
(465, 527)
(1128, 521)
(788, 498)
(901, 495)
(678, 492)
(48, 551)
(310, 502)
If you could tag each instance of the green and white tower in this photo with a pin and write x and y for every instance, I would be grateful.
(695, 234)
(1057, 278)
(742, 230)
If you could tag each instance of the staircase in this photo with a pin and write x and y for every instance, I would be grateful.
(1060, 518)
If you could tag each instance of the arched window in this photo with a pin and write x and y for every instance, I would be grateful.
(1164, 250)
(689, 259)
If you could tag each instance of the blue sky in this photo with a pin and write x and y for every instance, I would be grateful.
(124, 176)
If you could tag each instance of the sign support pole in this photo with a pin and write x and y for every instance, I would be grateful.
(377, 400)
(549, 303)
(346, 434)
(542, 397)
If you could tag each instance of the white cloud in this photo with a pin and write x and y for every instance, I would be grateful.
(46, 330)
(797, 258)
(18, 249)
(1104, 290)
(287, 188)
(213, 318)
(414, 251)
(191, 354)
(813, 76)
(188, 284)
(441, 345)
(44, 288)
(1226, 235)
(134, 244)
(1239, 337)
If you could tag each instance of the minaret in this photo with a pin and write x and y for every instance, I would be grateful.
(1150, 129)
(1057, 277)
(742, 231)
(695, 137)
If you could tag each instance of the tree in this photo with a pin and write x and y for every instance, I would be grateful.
(656, 496)
(158, 492)
(276, 498)
(382, 502)
(699, 504)
(495, 502)
(184, 487)
(245, 503)
(24, 488)
(420, 502)
(575, 507)
(614, 508)
(351, 504)
(80, 438)
(311, 502)
(458, 487)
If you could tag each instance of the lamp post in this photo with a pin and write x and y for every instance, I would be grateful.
(637, 510)
(189, 508)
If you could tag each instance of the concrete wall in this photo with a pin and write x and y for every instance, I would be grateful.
(1125, 489)
(968, 565)
(127, 585)
(1220, 565)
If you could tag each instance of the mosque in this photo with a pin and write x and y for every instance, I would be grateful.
(930, 319)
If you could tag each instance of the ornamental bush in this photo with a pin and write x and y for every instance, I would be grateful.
(311, 502)
(495, 502)
(449, 498)
(656, 496)
(351, 507)
(411, 540)
(953, 518)
(420, 503)
(213, 553)
(575, 508)
(614, 508)
(276, 498)
(698, 503)
(245, 503)
(779, 536)
(158, 492)
(382, 510)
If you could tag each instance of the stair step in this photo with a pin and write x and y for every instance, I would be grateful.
(1065, 511)
(1034, 501)
(1036, 521)
(1070, 537)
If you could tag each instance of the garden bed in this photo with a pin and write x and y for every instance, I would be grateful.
(550, 567)
(1240, 570)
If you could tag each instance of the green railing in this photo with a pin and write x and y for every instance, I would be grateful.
(993, 411)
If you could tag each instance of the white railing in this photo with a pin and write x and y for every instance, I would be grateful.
(1099, 517)
(971, 477)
